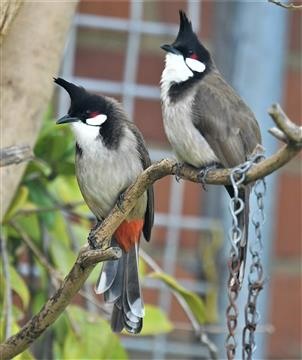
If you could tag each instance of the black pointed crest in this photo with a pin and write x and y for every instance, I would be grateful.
(73, 90)
(185, 33)
(185, 24)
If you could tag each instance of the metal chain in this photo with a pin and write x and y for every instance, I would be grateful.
(256, 277)
(236, 207)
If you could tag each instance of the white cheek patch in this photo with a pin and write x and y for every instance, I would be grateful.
(175, 70)
(97, 120)
(195, 65)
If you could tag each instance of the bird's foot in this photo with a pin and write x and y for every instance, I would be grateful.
(178, 168)
(92, 241)
(203, 172)
(120, 201)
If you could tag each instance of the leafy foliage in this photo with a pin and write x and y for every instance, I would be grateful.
(193, 300)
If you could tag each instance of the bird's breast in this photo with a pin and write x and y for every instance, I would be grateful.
(187, 142)
(104, 173)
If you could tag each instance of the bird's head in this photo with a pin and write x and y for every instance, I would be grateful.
(186, 56)
(86, 108)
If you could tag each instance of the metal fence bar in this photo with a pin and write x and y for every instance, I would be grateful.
(186, 222)
(117, 88)
(118, 24)
(132, 57)
(67, 69)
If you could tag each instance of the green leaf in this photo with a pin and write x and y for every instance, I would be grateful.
(194, 302)
(66, 189)
(18, 202)
(93, 338)
(65, 168)
(58, 230)
(30, 225)
(155, 321)
(62, 255)
(39, 195)
(19, 286)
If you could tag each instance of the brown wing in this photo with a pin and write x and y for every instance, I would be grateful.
(146, 162)
(225, 121)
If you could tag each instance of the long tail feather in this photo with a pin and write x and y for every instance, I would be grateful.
(120, 285)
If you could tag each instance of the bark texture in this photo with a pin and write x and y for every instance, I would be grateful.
(30, 56)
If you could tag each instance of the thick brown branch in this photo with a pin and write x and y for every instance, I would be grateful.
(88, 258)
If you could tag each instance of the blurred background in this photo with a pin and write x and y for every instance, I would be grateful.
(113, 48)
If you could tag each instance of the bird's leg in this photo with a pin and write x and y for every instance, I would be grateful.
(203, 172)
(120, 201)
(91, 237)
(178, 168)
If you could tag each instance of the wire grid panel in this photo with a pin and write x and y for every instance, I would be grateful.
(174, 221)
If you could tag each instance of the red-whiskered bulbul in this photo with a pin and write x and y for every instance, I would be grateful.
(205, 121)
(110, 154)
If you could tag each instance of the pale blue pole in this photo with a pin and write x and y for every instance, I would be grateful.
(250, 47)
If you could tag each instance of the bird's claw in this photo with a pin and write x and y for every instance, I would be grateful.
(92, 240)
(203, 173)
(120, 202)
(178, 168)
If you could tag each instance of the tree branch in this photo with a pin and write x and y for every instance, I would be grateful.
(289, 6)
(57, 303)
(15, 154)
(87, 258)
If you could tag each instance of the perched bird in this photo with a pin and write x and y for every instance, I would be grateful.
(205, 121)
(110, 154)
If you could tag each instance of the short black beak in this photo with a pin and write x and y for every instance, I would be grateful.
(67, 119)
(171, 49)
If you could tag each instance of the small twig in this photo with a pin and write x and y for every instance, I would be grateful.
(291, 130)
(65, 207)
(37, 253)
(289, 6)
(199, 331)
(8, 289)
(15, 154)
(278, 134)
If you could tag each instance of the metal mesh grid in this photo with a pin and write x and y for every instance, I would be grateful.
(174, 221)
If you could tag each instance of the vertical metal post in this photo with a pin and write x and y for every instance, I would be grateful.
(250, 43)
(132, 56)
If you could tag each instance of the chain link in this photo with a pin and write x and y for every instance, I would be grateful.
(256, 276)
(236, 207)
